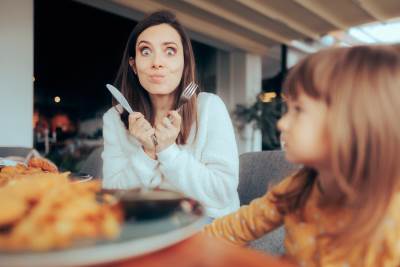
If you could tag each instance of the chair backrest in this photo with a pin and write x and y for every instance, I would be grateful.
(257, 171)
(93, 165)
(6, 151)
(260, 169)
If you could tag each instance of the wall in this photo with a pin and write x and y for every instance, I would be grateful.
(294, 56)
(239, 82)
(16, 72)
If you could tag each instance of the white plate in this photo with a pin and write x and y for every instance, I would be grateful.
(136, 238)
(8, 162)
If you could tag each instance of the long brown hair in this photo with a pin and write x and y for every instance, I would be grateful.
(361, 87)
(137, 96)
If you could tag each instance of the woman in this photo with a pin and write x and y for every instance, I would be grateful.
(195, 150)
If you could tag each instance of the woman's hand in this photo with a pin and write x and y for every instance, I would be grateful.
(141, 129)
(167, 131)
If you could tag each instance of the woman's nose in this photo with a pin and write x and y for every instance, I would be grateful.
(157, 61)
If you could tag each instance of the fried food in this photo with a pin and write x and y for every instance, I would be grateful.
(42, 163)
(35, 165)
(41, 211)
(11, 173)
(13, 212)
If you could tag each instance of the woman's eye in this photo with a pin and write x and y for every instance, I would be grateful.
(171, 51)
(145, 51)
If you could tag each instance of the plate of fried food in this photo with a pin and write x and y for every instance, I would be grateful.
(48, 219)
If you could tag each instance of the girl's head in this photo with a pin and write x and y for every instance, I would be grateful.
(158, 61)
(343, 118)
(304, 131)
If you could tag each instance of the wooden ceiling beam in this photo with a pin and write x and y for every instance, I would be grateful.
(199, 25)
(371, 8)
(315, 8)
(267, 11)
(213, 8)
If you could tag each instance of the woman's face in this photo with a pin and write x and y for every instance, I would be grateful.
(159, 59)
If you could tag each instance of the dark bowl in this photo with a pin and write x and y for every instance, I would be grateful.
(147, 204)
(80, 177)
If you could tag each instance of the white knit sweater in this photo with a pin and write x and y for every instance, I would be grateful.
(205, 169)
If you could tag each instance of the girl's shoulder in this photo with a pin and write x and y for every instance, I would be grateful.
(392, 214)
(389, 232)
(283, 185)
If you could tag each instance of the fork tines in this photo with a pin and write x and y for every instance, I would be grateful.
(189, 90)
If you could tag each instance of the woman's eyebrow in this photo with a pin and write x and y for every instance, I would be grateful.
(170, 43)
(144, 41)
(164, 43)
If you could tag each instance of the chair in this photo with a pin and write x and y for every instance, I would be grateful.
(257, 171)
(93, 165)
(15, 151)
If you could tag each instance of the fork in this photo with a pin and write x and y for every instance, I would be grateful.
(186, 95)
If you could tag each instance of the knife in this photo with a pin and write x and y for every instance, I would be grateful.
(119, 97)
(122, 100)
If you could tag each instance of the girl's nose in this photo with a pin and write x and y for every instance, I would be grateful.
(282, 124)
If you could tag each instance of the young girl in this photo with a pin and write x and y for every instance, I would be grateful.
(196, 151)
(343, 207)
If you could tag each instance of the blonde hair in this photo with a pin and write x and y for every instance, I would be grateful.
(361, 87)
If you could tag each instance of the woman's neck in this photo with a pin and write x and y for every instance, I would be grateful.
(162, 104)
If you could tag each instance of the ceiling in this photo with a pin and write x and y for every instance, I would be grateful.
(257, 25)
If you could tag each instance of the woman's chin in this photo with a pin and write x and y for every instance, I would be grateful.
(159, 90)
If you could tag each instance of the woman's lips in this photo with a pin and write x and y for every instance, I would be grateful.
(156, 78)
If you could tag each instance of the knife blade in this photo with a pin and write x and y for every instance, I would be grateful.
(119, 97)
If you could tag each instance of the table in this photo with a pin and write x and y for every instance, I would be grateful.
(201, 250)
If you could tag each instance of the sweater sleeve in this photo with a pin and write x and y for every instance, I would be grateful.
(213, 179)
(250, 222)
(385, 250)
(125, 164)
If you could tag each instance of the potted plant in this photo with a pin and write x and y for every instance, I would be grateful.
(263, 114)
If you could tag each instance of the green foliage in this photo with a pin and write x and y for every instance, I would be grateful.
(263, 116)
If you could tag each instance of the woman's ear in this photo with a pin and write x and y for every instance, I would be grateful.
(132, 64)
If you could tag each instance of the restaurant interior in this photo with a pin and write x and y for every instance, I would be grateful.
(56, 58)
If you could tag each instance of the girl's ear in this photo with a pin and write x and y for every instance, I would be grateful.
(132, 64)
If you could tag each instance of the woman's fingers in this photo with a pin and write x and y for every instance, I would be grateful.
(150, 131)
(133, 117)
(141, 123)
(137, 122)
(167, 123)
(175, 118)
(160, 127)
